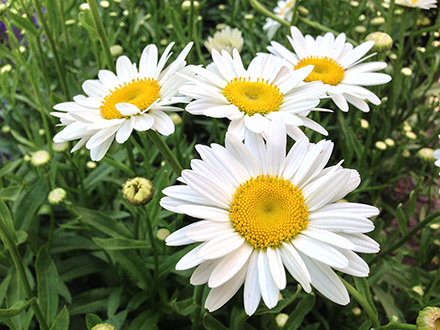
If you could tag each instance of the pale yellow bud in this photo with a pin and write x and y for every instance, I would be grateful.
(162, 234)
(138, 191)
(40, 158)
(390, 142)
(380, 145)
(281, 319)
(56, 196)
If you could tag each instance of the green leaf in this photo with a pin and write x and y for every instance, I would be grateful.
(47, 282)
(301, 310)
(104, 223)
(145, 321)
(4, 288)
(184, 307)
(402, 220)
(114, 301)
(11, 193)
(386, 299)
(92, 320)
(363, 288)
(111, 244)
(134, 266)
(23, 141)
(28, 206)
(62, 320)
(366, 325)
(212, 323)
(15, 309)
(5, 218)
(87, 22)
(10, 167)
(22, 23)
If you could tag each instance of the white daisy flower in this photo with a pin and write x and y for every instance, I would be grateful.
(225, 39)
(262, 212)
(284, 10)
(252, 98)
(424, 4)
(117, 104)
(337, 65)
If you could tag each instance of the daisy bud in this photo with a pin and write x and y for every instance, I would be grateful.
(116, 50)
(390, 142)
(40, 158)
(163, 42)
(221, 7)
(426, 154)
(21, 49)
(103, 326)
(364, 123)
(354, 4)
(377, 21)
(435, 43)
(27, 158)
(60, 147)
(356, 311)
(122, 24)
(162, 234)
(137, 191)
(380, 145)
(104, 4)
(56, 196)
(41, 131)
(113, 14)
(434, 226)
(382, 41)
(84, 6)
(125, 12)
(406, 153)
(407, 127)
(69, 22)
(248, 17)
(361, 17)
(406, 71)
(186, 5)
(226, 39)
(428, 318)
(281, 319)
(424, 21)
(6, 129)
(6, 68)
(91, 164)
(303, 11)
(177, 120)
(418, 289)
(421, 49)
(360, 29)
(411, 135)
(393, 56)
(3, 9)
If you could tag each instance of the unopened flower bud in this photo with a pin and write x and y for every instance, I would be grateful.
(380, 145)
(406, 153)
(162, 234)
(382, 41)
(281, 319)
(116, 50)
(364, 123)
(103, 326)
(356, 311)
(360, 29)
(3, 8)
(248, 17)
(406, 71)
(390, 142)
(411, 135)
(69, 22)
(428, 319)
(56, 196)
(221, 7)
(40, 158)
(41, 131)
(426, 154)
(377, 21)
(60, 146)
(303, 11)
(104, 4)
(91, 164)
(138, 191)
(6, 68)
(186, 5)
(418, 289)
(84, 6)
(177, 120)
(6, 129)
(354, 4)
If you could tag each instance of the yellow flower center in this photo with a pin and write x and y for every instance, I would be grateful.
(286, 7)
(268, 211)
(325, 69)
(139, 92)
(253, 97)
(414, 1)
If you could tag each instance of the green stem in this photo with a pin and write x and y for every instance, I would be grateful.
(165, 151)
(294, 13)
(18, 263)
(152, 242)
(390, 17)
(398, 326)
(130, 156)
(53, 47)
(197, 296)
(101, 33)
(411, 233)
(369, 137)
(363, 302)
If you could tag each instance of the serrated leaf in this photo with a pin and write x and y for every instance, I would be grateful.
(15, 309)
(47, 283)
(61, 321)
(111, 244)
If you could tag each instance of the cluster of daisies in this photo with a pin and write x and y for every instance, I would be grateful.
(261, 209)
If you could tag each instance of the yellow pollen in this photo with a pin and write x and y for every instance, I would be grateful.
(287, 6)
(139, 92)
(253, 97)
(325, 69)
(268, 211)
(414, 1)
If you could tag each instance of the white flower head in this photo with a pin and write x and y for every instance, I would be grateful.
(117, 104)
(262, 212)
(424, 4)
(225, 39)
(284, 10)
(337, 65)
(250, 98)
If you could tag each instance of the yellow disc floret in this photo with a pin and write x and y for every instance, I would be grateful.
(325, 69)
(253, 97)
(139, 92)
(268, 211)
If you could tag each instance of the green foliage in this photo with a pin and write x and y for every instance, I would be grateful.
(95, 258)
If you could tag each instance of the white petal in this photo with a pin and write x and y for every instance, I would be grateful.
(127, 109)
(95, 88)
(329, 237)
(205, 212)
(256, 123)
(191, 259)
(221, 246)
(296, 266)
(276, 267)
(208, 230)
(269, 290)
(252, 293)
(362, 243)
(108, 79)
(143, 122)
(179, 238)
(124, 69)
(203, 271)
(148, 61)
(125, 130)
